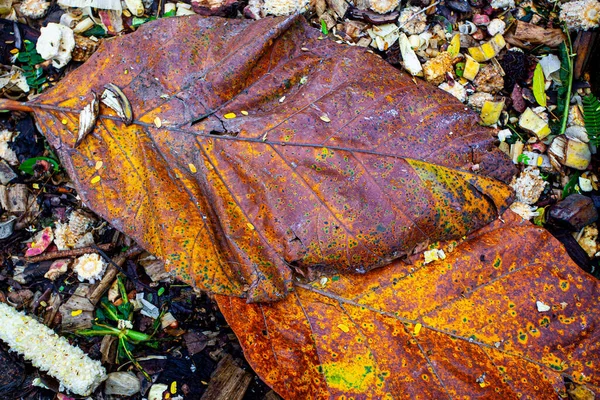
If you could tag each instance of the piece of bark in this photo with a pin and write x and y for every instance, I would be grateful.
(78, 312)
(98, 289)
(528, 36)
(228, 382)
(108, 349)
(272, 396)
(585, 47)
(219, 8)
(52, 309)
(357, 13)
(69, 253)
(339, 6)
(153, 267)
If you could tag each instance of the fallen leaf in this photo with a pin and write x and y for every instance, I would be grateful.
(378, 181)
(539, 85)
(463, 327)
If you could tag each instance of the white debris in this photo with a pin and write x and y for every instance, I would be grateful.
(529, 185)
(89, 267)
(6, 152)
(56, 43)
(457, 90)
(541, 307)
(496, 26)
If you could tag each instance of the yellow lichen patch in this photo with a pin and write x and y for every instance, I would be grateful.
(352, 375)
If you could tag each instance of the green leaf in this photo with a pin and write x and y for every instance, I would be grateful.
(459, 69)
(171, 13)
(539, 85)
(28, 165)
(96, 30)
(591, 117)
(324, 29)
(570, 186)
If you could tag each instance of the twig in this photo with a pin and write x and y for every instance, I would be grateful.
(69, 253)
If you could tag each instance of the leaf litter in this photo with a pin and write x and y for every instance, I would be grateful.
(566, 166)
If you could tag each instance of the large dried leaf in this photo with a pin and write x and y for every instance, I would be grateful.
(465, 327)
(355, 167)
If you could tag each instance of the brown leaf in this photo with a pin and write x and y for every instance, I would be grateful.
(468, 326)
(234, 190)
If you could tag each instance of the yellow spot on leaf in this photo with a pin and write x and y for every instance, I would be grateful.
(95, 179)
(192, 168)
(75, 313)
(250, 226)
(64, 121)
(244, 112)
(229, 115)
(418, 327)
(344, 328)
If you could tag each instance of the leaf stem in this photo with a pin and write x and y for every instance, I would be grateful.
(12, 105)
(565, 116)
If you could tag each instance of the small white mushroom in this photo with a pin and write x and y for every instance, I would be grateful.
(56, 42)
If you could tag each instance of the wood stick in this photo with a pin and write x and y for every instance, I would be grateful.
(228, 382)
(67, 253)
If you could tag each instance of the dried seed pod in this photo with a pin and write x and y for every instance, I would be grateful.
(114, 98)
(87, 118)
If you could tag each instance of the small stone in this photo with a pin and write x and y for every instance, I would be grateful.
(122, 384)
(460, 6)
(573, 213)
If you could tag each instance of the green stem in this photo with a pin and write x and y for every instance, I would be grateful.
(132, 359)
(136, 336)
(565, 116)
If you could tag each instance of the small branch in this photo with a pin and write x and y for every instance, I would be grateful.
(67, 253)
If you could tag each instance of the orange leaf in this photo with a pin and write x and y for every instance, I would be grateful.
(228, 207)
(481, 334)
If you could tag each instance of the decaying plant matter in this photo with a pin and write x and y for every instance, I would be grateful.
(264, 151)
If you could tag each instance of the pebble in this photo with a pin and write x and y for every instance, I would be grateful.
(573, 213)
(122, 384)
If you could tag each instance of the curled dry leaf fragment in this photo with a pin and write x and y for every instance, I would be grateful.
(488, 49)
(40, 242)
(114, 98)
(533, 123)
(409, 58)
(57, 268)
(87, 118)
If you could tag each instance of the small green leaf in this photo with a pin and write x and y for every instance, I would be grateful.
(324, 29)
(28, 165)
(161, 291)
(539, 85)
(459, 69)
